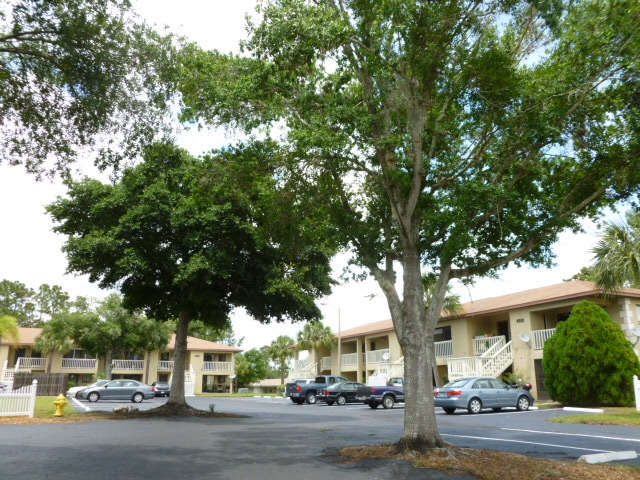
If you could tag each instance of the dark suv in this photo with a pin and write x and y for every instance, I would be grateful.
(163, 389)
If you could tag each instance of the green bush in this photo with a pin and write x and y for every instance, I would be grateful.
(589, 362)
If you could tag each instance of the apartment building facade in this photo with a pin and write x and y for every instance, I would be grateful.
(211, 366)
(490, 337)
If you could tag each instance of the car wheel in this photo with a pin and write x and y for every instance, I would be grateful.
(475, 405)
(93, 397)
(449, 410)
(523, 403)
(341, 400)
(374, 405)
(137, 398)
(311, 398)
(77, 395)
(388, 401)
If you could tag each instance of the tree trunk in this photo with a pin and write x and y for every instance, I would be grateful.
(108, 358)
(176, 397)
(415, 328)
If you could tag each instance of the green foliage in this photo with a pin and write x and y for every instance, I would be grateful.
(251, 366)
(315, 337)
(589, 362)
(178, 234)
(452, 138)
(617, 255)
(9, 329)
(75, 75)
(280, 351)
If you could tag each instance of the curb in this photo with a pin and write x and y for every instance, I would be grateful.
(586, 410)
(608, 457)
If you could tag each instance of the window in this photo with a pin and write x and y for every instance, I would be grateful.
(442, 334)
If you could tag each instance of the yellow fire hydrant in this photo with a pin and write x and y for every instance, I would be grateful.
(60, 403)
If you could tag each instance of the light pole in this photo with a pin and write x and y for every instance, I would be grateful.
(339, 339)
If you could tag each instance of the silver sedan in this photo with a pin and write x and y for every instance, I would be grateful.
(476, 393)
(122, 389)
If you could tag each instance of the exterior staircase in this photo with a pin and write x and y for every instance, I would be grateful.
(491, 363)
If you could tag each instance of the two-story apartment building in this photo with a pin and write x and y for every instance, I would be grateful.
(211, 365)
(490, 337)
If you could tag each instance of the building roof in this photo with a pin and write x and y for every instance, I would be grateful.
(368, 329)
(199, 344)
(27, 336)
(573, 290)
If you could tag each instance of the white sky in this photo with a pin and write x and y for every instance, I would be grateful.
(30, 252)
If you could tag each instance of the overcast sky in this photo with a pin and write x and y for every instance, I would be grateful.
(30, 251)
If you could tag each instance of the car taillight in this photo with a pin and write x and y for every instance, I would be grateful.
(373, 390)
(454, 393)
(153, 389)
(298, 388)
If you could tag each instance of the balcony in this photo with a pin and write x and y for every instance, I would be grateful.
(165, 366)
(540, 337)
(217, 367)
(128, 365)
(31, 363)
(80, 363)
(444, 349)
(375, 357)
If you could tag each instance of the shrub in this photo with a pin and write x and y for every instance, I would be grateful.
(589, 362)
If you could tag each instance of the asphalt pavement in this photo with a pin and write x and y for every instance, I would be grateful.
(270, 439)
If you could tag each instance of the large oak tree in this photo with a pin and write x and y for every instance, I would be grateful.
(449, 137)
(190, 239)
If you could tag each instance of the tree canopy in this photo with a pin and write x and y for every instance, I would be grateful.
(450, 137)
(186, 238)
(79, 75)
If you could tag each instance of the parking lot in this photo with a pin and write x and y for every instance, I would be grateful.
(528, 433)
(273, 438)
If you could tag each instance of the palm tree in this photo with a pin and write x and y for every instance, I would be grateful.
(55, 337)
(452, 305)
(617, 255)
(315, 336)
(279, 351)
(9, 328)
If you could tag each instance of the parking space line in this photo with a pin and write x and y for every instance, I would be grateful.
(573, 434)
(527, 443)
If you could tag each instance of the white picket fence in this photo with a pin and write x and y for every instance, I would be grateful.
(19, 402)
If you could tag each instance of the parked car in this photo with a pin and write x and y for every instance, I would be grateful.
(74, 392)
(476, 393)
(339, 393)
(122, 389)
(162, 389)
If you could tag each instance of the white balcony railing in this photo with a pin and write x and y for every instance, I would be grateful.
(217, 366)
(444, 349)
(31, 362)
(350, 360)
(165, 365)
(80, 363)
(482, 344)
(541, 336)
(325, 363)
(128, 365)
(377, 356)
